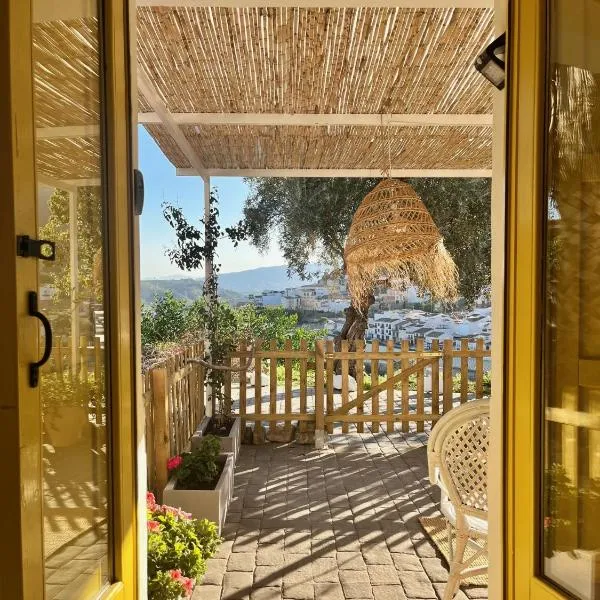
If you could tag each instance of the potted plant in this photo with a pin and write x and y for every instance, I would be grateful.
(226, 429)
(65, 403)
(201, 481)
(178, 547)
(571, 553)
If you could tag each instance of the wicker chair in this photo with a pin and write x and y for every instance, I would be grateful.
(457, 457)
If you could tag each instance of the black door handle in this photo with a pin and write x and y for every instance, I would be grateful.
(34, 367)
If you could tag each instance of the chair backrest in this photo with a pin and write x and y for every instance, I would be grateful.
(463, 459)
(458, 457)
(437, 436)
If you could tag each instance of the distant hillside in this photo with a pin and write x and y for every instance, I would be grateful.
(189, 289)
(232, 286)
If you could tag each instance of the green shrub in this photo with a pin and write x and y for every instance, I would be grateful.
(164, 320)
(310, 375)
(487, 383)
(62, 390)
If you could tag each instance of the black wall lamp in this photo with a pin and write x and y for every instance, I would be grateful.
(490, 63)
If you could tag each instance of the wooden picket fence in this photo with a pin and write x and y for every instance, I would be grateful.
(83, 362)
(438, 364)
(172, 390)
(173, 393)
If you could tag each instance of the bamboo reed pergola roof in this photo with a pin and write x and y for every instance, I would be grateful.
(285, 88)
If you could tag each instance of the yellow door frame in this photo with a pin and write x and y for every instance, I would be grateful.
(20, 427)
(21, 567)
(526, 106)
(121, 296)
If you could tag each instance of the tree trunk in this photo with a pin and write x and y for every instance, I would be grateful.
(354, 329)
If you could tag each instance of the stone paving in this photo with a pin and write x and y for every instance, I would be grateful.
(335, 524)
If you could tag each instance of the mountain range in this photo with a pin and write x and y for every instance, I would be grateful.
(232, 286)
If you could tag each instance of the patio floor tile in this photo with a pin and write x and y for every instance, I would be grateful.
(336, 524)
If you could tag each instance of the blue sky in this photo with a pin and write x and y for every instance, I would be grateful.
(162, 184)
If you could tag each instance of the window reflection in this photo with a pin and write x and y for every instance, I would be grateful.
(571, 442)
(67, 80)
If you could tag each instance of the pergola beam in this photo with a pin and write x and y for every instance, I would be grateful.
(68, 131)
(323, 120)
(69, 185)
(334, 173)
(151, 95)
(56, 183)
(316, 4)
(84, 182)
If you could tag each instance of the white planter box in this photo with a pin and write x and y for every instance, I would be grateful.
(205, 504)
(231, 443)
(576, 571)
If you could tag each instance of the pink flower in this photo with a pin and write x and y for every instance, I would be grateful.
(188, 585)
(184, 515)
(150, 501)
(185, 582)
(153, 526)
(174, 462)
(169, 511)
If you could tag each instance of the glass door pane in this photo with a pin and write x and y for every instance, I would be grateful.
(570, 478)
(70, 212)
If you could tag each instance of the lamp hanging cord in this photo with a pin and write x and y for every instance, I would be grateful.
(386, 172)
(389, 138)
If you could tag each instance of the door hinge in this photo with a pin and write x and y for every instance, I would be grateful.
(43, 249)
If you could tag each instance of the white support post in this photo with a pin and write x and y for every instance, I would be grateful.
(208, 265)
(74, 283)
(208, 271)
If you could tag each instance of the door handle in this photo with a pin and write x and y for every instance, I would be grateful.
(34, 367)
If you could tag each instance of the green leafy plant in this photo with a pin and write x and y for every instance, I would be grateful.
(195, 470)
(169, 585)
(559, 492)
(90, 229)
(208, 537)
(178, 547)
(164, 320)
(59, 390)
(486, 380)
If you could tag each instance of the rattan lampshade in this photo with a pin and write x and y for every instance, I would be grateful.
(394, 238)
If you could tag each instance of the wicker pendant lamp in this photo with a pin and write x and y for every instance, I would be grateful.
(394, 238)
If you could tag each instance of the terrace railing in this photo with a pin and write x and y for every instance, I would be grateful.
(395, 387)
(301, 383)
